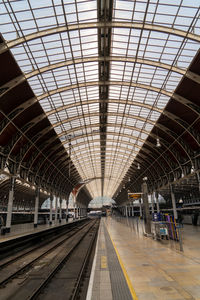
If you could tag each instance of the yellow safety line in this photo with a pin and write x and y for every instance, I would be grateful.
(132, 291)
(104, 262)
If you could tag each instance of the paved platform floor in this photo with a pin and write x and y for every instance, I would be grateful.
(157, 269)
(28, 228)
(107, 280)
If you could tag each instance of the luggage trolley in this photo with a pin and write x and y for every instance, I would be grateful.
(161, 231)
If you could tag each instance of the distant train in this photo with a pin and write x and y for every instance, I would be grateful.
(95, 214)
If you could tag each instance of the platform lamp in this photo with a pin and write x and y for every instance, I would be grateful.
(180, 202)
(157, 139)
(158, 142)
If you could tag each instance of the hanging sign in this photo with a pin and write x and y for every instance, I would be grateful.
(134, 196)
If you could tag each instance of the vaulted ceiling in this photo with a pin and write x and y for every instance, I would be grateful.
(90, 89)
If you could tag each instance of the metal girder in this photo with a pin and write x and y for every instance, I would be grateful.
(72, 131)
(73, 170)
(80, 26)
(129, 143)
(127, 59)
(52, 150)
(16, 81)
(180, 168)
(55, 158)
(113, 125)
(117, 101)
(36, 139)
(148, 87)
(136, 146)
(172, 134)
(193, 76)
(169, 115)
(23, 134)
(31, 124)
(98, 83)
(184, 125)
(124, 126)
(181, 99)
(36, 155)
(42, 116)
(32, 101)
(55, 179)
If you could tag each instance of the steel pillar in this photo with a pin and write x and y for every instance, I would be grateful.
(10, 203)
(152, 203)
(173, 202)
(157, 202)
(66, 210)
(133, 211)
(140, 208)
(126, 211)
(198, 179)
(51, 206)
(60, 210)
(147, 220)
(37, 197)
(56, 210)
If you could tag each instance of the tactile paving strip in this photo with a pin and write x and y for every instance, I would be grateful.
(120, 289)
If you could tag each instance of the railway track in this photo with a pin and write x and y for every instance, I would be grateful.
(24, 252)
(62, 265)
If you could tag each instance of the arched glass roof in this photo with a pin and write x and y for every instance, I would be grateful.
(103, 72)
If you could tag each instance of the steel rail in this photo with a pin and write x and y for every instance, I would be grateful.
(46, 280)
(28, 265)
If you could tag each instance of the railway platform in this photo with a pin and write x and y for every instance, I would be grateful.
(20, 230)
(129, 265)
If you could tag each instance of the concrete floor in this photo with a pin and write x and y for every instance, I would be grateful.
(157, 269)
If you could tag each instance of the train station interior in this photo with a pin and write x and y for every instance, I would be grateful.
(100, 149)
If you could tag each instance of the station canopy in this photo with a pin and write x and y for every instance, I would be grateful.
(114, 83)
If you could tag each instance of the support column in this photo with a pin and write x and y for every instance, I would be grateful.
(74, 207)
(37, 197)
(198, 178)
(56, 209)
(67, 210)
(10, 203)
(173, 202)
(157, 202)
(126, 211)
(152, 203)
(79, 212)
(133, 210)
(140, 207)
(76, 210)
(51, 206)
(60, 211)
(129, 211)
(147, 221)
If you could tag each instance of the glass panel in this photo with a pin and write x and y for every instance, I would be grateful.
(66, 82)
